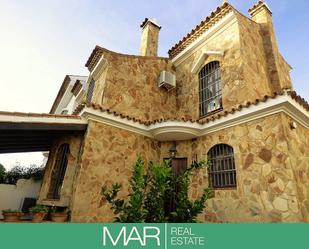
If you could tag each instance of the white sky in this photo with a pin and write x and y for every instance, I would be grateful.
(24, 159)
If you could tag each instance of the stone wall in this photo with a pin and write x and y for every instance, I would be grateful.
(12, 196)
(298, 152)
(73, 161)
(272, 183)
(129, 85)
(250, 68)
(254, 60)
(278, 68)
(108, 156)
(232, 79)
(266, 189)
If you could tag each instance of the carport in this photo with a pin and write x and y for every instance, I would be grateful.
(30, 132)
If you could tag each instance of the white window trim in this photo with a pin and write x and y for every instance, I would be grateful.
(202, 58)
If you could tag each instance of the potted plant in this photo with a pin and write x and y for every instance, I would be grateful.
(59, 214)
(11, 215)
(38, 213)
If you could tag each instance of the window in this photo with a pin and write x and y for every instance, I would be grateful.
(90, 91)
(58, 172)
(210, 98)
(222, 172)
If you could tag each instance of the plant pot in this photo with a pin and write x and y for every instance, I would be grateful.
(38, 217)
(59, 217)
(12, 217)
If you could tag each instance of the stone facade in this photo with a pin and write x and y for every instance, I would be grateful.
(75, 143)
(271, 156)
(129, 85)
(272, 185)
(267, 190)
(105, 161)
(298, 157)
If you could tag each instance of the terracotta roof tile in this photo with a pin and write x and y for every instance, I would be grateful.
(258, 4)
(232, 110)
(98, 51)
(205, 120)
(209, 21)
(299, 100)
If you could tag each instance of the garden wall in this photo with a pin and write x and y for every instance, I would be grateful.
(12, 196)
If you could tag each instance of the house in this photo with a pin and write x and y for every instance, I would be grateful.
(224, 94)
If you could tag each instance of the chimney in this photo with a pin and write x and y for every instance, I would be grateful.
(261, 13)
(150, 37)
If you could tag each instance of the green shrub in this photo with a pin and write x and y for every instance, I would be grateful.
(55, 209)
(20, 172)
(6, 211)
(149, 192)
(38, 208)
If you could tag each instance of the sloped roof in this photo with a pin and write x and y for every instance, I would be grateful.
(69, 79)
(209, 21)
(98, 51)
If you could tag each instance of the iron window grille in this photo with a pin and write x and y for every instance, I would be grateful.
(222, 171)
(58, 172)
(90, 91)
(210, 97)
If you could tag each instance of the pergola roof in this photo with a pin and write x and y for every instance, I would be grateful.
(30, 132)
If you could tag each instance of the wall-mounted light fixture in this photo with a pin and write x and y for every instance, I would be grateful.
(173, 150)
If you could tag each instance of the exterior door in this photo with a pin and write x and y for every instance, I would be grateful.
(179, 165)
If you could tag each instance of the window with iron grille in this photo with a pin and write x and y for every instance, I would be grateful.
(222, 171)
(210, 98)
(58, 171)
(90, 91)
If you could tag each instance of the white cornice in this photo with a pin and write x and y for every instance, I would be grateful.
(178, 130)
(115, 121)
(5, 118)
(212, 32)
(96, 71)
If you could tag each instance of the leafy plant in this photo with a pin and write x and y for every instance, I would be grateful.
(158, 186)
(20, 172)
(38, 208)
(186, 209)
(149, 192)
(55, 209)
(2, 173)
(7, 211)
(132, 210)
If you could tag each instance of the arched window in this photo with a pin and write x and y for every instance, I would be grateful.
(222, 171)
(210, 98)
(90, 91)
(58, 171)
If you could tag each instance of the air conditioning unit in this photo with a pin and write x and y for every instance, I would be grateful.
(167, 79)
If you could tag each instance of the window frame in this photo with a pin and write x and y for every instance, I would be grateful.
(58, 171)
(209, 78)
(90, 91)
(222, 157)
